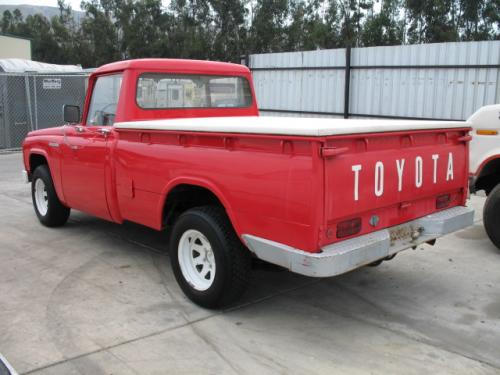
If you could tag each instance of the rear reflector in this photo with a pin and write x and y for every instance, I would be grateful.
(443, 201)
(486, 132)
(348, 227)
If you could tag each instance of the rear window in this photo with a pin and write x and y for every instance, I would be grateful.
(164, 91)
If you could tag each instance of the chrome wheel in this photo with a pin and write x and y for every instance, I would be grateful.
(196, 260)
(41, 198)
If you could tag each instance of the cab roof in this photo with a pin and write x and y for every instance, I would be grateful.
(175, 65)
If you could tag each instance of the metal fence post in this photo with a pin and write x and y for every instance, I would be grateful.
(35, 96)
(3, 112)
(347, 82)
(28, 100)
(245, 60)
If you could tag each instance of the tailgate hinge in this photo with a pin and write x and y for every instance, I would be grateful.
(329, 152)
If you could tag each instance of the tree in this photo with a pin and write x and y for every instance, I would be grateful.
(268, 27)
(386, 27)
(190, 33)
(140, 27)
(479, 19)
(430, 21)
(352, 13)
(7, 20)
(229, 27)
(226, 29)
(309, 27)
(99, 31)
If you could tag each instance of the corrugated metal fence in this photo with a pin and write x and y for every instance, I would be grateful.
(446, 81)
(34, 101)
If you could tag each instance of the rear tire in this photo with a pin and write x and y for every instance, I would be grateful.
(209, 261)
(48, 208)
(491, 216)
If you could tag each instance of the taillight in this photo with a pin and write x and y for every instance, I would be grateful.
(348, 227)
(443, 201)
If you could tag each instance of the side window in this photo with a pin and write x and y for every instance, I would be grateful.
(104, 100)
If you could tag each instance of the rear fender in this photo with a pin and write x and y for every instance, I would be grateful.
(204, 183)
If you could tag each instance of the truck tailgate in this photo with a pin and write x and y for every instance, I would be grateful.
(375, 181)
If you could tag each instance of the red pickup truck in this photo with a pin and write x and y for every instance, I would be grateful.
(179, 144)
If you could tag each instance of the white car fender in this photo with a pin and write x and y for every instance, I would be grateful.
(485, 144)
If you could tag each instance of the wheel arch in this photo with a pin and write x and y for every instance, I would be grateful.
(177, 198)
(488, 175)
(37, 158)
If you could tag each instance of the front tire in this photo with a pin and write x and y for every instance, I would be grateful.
(48, 208)
(491, 216)
(210, 263)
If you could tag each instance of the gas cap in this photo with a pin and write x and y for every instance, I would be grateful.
(374, 220)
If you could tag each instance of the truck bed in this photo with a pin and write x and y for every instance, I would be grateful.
(313, 174)
(294, 126)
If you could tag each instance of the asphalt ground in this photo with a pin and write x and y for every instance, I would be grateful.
(95, 298)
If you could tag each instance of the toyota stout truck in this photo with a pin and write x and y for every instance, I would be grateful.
(179, 145)
(485, 165)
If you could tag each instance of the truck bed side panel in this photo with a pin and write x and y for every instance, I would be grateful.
(271, 184)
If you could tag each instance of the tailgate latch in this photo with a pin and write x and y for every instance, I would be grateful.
(465, 138)
(330, 152)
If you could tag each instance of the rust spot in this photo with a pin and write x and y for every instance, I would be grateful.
(402, 233)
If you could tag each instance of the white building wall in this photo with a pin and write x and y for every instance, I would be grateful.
(11, 47)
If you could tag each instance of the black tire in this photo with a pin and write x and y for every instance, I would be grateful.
(232, 259)
(491, 216)
(57, 214)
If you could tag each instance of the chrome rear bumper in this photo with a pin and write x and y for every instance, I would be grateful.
(350, 254)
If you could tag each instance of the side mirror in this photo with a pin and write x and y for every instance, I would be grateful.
(71, 114)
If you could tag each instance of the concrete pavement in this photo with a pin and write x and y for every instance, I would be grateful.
(98, 298)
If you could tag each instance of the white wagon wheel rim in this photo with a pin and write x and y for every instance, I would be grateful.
(41, 198)
(196, 260)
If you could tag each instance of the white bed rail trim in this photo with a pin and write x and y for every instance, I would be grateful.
(297, 126)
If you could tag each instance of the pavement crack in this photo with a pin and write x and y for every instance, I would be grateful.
(215, 349)
(109, 347)
(401, 333)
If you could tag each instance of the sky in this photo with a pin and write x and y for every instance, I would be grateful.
(75, 4)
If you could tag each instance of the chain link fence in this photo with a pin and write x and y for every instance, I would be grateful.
(34, 101)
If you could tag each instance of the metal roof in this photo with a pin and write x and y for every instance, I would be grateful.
(24, 66)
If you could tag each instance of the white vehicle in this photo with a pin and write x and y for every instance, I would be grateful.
(5, 367)
(485, 165)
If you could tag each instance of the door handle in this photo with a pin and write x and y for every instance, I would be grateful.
(104, 131)
(79, 129)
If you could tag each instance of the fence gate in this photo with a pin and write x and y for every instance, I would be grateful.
(34, 101)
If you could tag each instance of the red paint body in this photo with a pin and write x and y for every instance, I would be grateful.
(289, 189)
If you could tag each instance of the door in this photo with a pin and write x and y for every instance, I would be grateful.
(86, 150)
